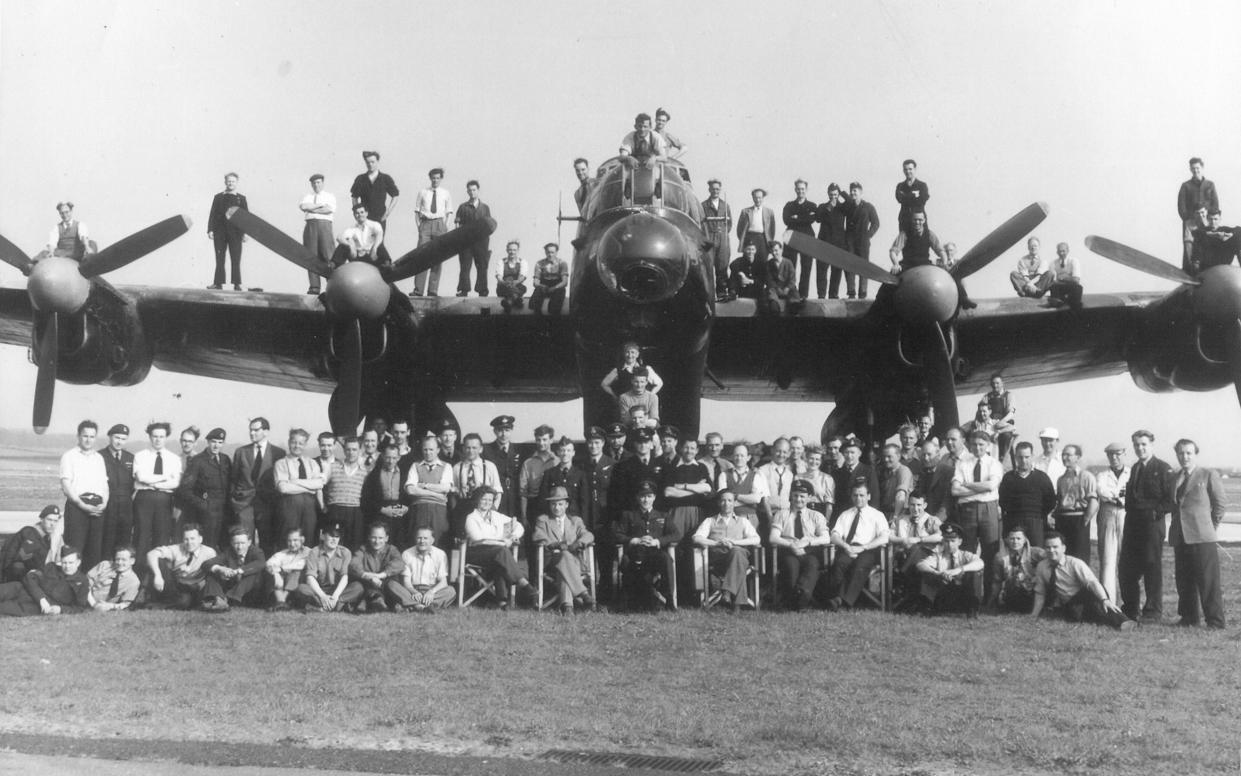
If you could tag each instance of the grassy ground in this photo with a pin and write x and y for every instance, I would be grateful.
(770, 693)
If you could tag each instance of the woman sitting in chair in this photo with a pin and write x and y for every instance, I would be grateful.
(490, 537)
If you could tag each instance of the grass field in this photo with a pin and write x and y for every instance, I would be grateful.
(770, 693)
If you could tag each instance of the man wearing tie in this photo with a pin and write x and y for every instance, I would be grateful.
(118, 516)
(503, 453)
(773, 483)
(1065, 586)
(254, 496)
(859, 535)
(563, 537)
(369, 455)
(178, 571)
(473, 470)
(566, 475)
(1148, 499)
(157, 473)
(1199, 506)
(432, 211)
(299, 481)
(976, 485)
(950, 575)
(646, 535)
(204, 488)
(797, 534)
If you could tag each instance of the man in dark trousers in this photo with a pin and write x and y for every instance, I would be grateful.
(118, 515)
(226, 235)
(203, 492)
(799, 217)
(379, 193)
(1148, 500)
(717, 224)
(477, 253)
(58, 588)
(1199, 505)
(912, 195)
(235, 576)
(833, 217)
(645, 534)
(30, 548)
(253, 496)
(1026, 496)
(504, 454)
(862, 224)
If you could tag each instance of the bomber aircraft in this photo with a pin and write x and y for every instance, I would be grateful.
(639, 273)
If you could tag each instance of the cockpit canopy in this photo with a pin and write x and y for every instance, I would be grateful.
(667, 185)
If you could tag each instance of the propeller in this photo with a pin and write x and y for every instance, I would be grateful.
(60, 286)
(354, 291)
(926, 300)
(1135, 259)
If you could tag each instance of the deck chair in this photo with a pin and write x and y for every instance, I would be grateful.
(546, 585)
(879, 585)
(617, 580)
(702, 577)
(471, 579)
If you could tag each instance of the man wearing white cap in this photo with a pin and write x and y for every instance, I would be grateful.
(1049, 462)
(1112, 482)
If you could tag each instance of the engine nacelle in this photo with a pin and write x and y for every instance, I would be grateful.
(103, 343)
(1174, 347)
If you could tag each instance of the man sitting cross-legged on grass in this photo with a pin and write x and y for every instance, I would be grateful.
(727, 536)
(375, 574)
(57, 588)
(234, 578)
(563, 538)
(178, 571)
(1066, 587)
(326, 576)
(490, 536)
(113, 583)
(952, 577)
(425, 579)
(647, 566)
(285, 568)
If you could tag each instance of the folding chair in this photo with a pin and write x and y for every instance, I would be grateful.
(464, 574)
(773, 565)
(590, 573)
(880, 575)
(617, 576)
(702, 576)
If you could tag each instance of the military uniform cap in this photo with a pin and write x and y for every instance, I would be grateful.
(119, 428)
(216, 433)
(503, 421)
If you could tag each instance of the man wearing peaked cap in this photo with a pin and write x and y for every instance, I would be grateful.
(563, 538)
(503, 453)
(118, 515)
(31, 547)
(614, 447)
(800, 533)
(952, 577)
(646, 535)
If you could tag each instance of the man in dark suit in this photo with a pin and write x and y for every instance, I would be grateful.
(235, 576)
(847, 476)
(1148, 499)
(253, 496)
(861, 226)
(566, 475)
(1198, 507)
(799, 217)
(204, 489)
(912, 195)
(118, 515)
(504, 454)
(833, 218)
(645, 534)
(632, 472)
(225, 234)
(30, 548)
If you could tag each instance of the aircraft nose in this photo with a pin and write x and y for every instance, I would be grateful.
(643, 258)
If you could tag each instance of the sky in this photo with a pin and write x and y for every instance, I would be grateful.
(135, 110)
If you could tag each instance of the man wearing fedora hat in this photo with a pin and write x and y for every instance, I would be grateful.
(563, 536)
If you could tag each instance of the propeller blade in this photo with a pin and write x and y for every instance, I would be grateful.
(15, 257)
(1003, 237)
(134, 247)
(441, 248)
(804, 243)
(1135, 259)
(940, 381)
(345, 407)
(45, 384)
(278, 242)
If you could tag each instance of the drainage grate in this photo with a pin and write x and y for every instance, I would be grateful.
(676, 764)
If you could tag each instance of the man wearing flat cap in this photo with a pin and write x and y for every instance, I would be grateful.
(976, 485)
(503, 453)
(31, 547)
(1112, 483)
(757, 226)
(952, 577)
(318, 208)
(563, 537)
(800, 533)
(118, 515)
(204, 488)
(1050, 461)
(646, 534)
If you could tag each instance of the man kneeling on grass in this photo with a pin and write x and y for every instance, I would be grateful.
(326, 576)
(952, 577)
(236, 577)
(178, 571)
(1066, 587)
(375, 574)
(285, 569)
(425, 578)
(55, 589)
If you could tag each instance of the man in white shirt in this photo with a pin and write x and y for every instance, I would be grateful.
(950, 575)
(976, 486)
(69, 237)
(433, 212)
(113, 583)
(285, 568)
(426, 574)
(299, 481)
(1066, 283)
(157, 473)
(798, 534)
(319, 207)
(727, 537)
(84, 481)
(1031, 278)
(773, 481)
(361, 241)
(177, 573)
(1050, 462)
(642, 145)
(859, 536)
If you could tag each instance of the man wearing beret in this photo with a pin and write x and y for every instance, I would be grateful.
(118, 515)
(30, 548)
(204, 488)
(646, 534)
(799, 533)
(563, 538)
(84, 481)
(503, 453)
(952, 577)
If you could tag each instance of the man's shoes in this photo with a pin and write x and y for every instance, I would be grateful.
(1148, 618)
(432, 293)
(236, 286)
(215, 287)
(414, 293)
(1185, 623)
(463, 293)
(834, 605)
(214, 605)
(713, 599)
(527, 594)
(1127, 626)
(279, 606)
(564, 609)
(585, 601)
(313, 290)
(428, 610)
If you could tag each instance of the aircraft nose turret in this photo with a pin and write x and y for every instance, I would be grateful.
(56, 285)
(643, 258)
